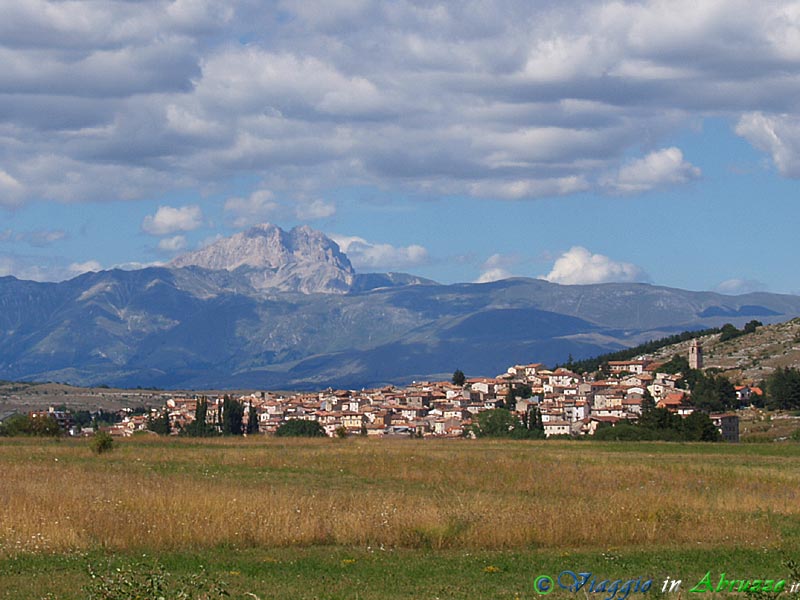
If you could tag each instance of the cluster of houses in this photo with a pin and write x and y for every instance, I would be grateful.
(569, 403)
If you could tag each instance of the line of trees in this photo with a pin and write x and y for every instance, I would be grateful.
(230, 420)
(661, 424)
(502, 423)
(26, 425)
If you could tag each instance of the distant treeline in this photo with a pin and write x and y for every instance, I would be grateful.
(588, 365)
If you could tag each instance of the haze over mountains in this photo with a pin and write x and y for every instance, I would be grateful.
(267, 308)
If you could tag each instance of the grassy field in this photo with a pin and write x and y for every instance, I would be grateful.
(391, 518)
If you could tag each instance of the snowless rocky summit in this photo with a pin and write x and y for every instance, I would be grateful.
(301, 260)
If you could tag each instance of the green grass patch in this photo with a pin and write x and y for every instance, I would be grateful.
(319, 573)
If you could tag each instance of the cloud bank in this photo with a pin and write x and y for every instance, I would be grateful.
(102, 101)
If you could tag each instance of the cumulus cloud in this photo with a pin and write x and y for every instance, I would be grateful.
(579, 266)
(263, 206)
(172, 244)
(11, 190)
(496, 268)
(735, 287)
(777, 135)
(121, 100)
(259, 207)
(657, 169)
(169, 219)
(316, 209)
(369, 255)
(84, 267)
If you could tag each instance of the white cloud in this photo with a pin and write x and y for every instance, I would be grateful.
(736, 286)
(22, 269)
(657, 169)
(369, 255)
(136, 266)
(43, 268)
(512, 99)
(84, 267)
(11, 190)
(515, 190)
(169, 220)
(579, 266)
(248, 78)
(316, 209)
(258, 207)
(262, 206)
(778, 135)
(38, 238)
(496, 268)
(172, 244)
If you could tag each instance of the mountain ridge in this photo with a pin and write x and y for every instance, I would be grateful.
(191, 327)
(287, 310)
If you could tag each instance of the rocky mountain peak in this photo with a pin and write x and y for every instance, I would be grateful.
(301, 260)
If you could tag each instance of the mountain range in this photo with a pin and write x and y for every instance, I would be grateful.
(267, 308)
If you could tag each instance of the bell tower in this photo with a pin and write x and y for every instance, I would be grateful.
(695, 355)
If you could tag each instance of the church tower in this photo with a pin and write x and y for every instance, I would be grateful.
(695, 355)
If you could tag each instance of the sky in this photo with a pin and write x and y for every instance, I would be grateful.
(579, 142)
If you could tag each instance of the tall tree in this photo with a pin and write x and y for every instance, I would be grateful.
(459, 378)
(783, 389)
(232, 416)
(252, 420)
(713, 393)
(535, 423)
(199, 427)
(160, 424)
(648, 403)
(497, 422)
(698, 427)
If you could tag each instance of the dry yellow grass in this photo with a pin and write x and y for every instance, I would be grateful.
(181, 495)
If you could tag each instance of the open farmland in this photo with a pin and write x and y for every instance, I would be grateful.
(270, 515)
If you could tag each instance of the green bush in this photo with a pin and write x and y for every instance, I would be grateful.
(300, 428)
(101, 442)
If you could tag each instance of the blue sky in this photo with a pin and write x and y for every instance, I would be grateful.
(463, 141)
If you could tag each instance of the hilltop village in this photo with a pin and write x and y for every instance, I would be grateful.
(567, 404)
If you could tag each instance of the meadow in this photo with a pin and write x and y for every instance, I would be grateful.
(390, 518)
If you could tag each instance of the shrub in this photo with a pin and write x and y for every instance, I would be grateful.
(101, 442)
(151, 581)
(300, 428)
